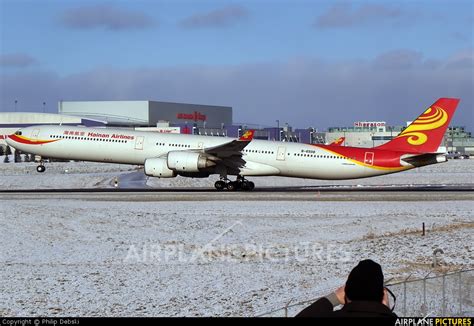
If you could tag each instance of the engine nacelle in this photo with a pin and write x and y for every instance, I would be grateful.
(184, 161)
(158, 167)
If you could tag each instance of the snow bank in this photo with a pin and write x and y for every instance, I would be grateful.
(109, 257)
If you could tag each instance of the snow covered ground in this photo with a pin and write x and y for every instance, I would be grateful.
(123, 256)
(61, 175)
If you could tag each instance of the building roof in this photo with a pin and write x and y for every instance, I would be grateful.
(23, 119)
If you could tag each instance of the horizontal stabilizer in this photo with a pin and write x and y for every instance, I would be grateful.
(425, 159)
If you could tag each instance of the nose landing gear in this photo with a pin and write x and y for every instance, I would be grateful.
(40, 168)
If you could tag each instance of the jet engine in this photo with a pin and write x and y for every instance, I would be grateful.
(183, 161)
(158, 167)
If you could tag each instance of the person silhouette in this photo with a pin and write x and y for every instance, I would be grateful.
(363, 295)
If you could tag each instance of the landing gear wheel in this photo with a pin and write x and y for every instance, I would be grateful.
(40, 168)
(220, 185)
(232, 186)
(244, 184)
(250, 185)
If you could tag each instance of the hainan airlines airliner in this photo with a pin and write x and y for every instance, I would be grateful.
(169, 155)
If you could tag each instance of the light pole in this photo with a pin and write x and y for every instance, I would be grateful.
(44, 107)
(278, 129)
(16, 101)
(452, 140)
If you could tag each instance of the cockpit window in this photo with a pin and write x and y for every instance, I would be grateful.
(18, 133)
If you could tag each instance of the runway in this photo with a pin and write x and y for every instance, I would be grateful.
(313, 193)
(334, 188)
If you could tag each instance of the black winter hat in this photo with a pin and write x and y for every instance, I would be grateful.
(365, 282)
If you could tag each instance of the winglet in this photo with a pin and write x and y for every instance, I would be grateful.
(247, 135)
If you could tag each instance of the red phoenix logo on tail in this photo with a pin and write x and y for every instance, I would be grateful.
(338, 142)
(433, 118)
(248, 135)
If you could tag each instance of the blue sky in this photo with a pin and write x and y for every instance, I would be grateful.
(310, 63)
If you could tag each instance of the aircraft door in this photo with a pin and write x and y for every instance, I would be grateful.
(139, 143)
(35, 133)
(281, 153)
(369, 158)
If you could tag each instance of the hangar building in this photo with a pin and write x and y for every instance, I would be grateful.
(149, 113)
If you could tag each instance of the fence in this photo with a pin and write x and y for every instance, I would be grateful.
(447, 295)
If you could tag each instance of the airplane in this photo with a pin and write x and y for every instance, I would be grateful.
(169, 155)
(338, 142)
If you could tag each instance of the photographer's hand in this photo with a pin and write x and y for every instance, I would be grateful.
(385, 299)
(341, 294)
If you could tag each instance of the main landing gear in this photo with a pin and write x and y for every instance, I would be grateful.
(239, 184)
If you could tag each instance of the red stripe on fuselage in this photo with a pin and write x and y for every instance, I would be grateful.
(27, 141)
(381, 158)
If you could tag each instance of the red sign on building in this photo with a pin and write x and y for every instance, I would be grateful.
(196, 116)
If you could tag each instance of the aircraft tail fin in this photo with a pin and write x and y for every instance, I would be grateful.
(247, 135)
(338, 142)
(425, 134)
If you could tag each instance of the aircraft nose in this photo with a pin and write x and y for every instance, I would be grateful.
(10, 139)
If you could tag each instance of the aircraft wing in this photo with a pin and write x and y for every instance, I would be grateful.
(230, 154)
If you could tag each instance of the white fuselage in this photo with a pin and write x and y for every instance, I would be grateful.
(263, 158)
